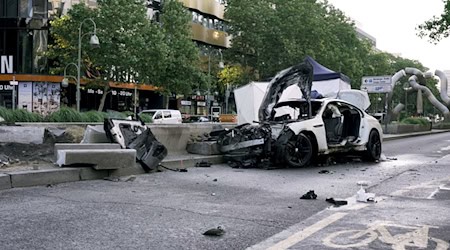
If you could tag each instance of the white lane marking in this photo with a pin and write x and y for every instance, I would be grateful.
(305, 233)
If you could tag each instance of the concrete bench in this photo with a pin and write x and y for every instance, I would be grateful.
(66, 146)
(99, 158)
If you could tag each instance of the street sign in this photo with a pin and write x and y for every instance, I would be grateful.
(14, 83)
(377, 84)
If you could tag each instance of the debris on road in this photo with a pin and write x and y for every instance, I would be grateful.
(172, 169)
(310, 195)
(362, 196)
(203, 164)
(131, 178)
(325, 172)
(336, 203)
(219, 231)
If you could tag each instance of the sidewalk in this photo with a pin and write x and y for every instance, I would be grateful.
(48, 174)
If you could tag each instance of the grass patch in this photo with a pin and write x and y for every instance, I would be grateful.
(415, 120)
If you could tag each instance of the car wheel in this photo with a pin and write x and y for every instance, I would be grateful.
(299, 151)
(373, 151)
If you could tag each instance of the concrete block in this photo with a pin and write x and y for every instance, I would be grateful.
(203, 148)
(44, 177)
(88, 173)
(99, 158)
(65, 146)
(5, 181)
(132, 170)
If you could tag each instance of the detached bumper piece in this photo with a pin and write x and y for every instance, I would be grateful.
(135, 135)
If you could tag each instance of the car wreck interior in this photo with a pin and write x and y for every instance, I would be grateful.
(341, 122)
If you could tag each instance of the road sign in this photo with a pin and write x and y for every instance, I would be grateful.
(377, 84)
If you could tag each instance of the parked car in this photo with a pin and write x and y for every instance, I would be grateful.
(163, 116)
(293, 132)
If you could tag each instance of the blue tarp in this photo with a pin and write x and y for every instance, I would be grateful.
(322, 73)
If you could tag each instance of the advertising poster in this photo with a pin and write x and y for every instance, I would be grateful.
(40, 98)
(53, 97)
(25, 97)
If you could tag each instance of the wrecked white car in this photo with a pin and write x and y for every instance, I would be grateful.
(294, 132)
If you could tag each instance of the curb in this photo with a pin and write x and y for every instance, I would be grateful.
(401, 136)
(29, 178)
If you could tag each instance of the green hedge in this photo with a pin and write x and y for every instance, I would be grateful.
(415, 120)
(63, 115)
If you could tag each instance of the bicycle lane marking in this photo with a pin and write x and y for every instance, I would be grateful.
(299, 235)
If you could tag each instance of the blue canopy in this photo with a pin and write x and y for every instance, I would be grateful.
(322, 73)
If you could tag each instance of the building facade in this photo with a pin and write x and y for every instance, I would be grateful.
(24, 33)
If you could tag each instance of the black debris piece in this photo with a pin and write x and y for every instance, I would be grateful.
(171, 169)
(215, 231)
(337, 203)
(324, 172)
(203, 164)
(215, 180)
(310, 195)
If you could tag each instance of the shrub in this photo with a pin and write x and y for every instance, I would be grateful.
(146, 118)
(22, 115)
(94, 116)
(6, 114)
(19, 115)
(415, 120)
(65, 114)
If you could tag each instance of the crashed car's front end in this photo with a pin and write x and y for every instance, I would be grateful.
(272, 141)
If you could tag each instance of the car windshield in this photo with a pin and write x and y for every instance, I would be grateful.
(294, 110)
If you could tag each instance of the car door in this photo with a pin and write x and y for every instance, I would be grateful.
(158, 118)
(167, 117)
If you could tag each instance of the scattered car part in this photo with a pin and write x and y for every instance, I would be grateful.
(310, 195)
(203, 164)
(135, 135)
(219, 231)
(336, 203)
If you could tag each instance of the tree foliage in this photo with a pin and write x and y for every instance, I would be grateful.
(437, 27)
(271, 35)
(132, 47)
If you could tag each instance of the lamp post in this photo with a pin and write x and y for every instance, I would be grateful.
(65, 80)
(14, 83)
(93, 42)
(221, 66)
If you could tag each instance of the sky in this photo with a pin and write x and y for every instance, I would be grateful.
(393, 23)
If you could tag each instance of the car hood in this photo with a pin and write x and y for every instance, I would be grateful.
(301, 74)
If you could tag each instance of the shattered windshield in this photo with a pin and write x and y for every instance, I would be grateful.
(294, 110)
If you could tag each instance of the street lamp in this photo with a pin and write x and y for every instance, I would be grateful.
(93, 42)
(221, 66)
(65, 80)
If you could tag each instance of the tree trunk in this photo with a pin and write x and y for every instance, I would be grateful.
(106, 91)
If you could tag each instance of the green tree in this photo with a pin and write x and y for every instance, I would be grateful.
(437, 27)
(132, 47)
(271, 35)
(183, 70)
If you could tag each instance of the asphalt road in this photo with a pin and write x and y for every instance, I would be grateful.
(257, 208)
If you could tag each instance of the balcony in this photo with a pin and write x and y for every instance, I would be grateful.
(211, 7)
(210, 36)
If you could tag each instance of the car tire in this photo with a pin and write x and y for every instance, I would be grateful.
(373, 151)
(299, 151)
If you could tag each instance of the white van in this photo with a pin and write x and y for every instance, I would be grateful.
(163, 116)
